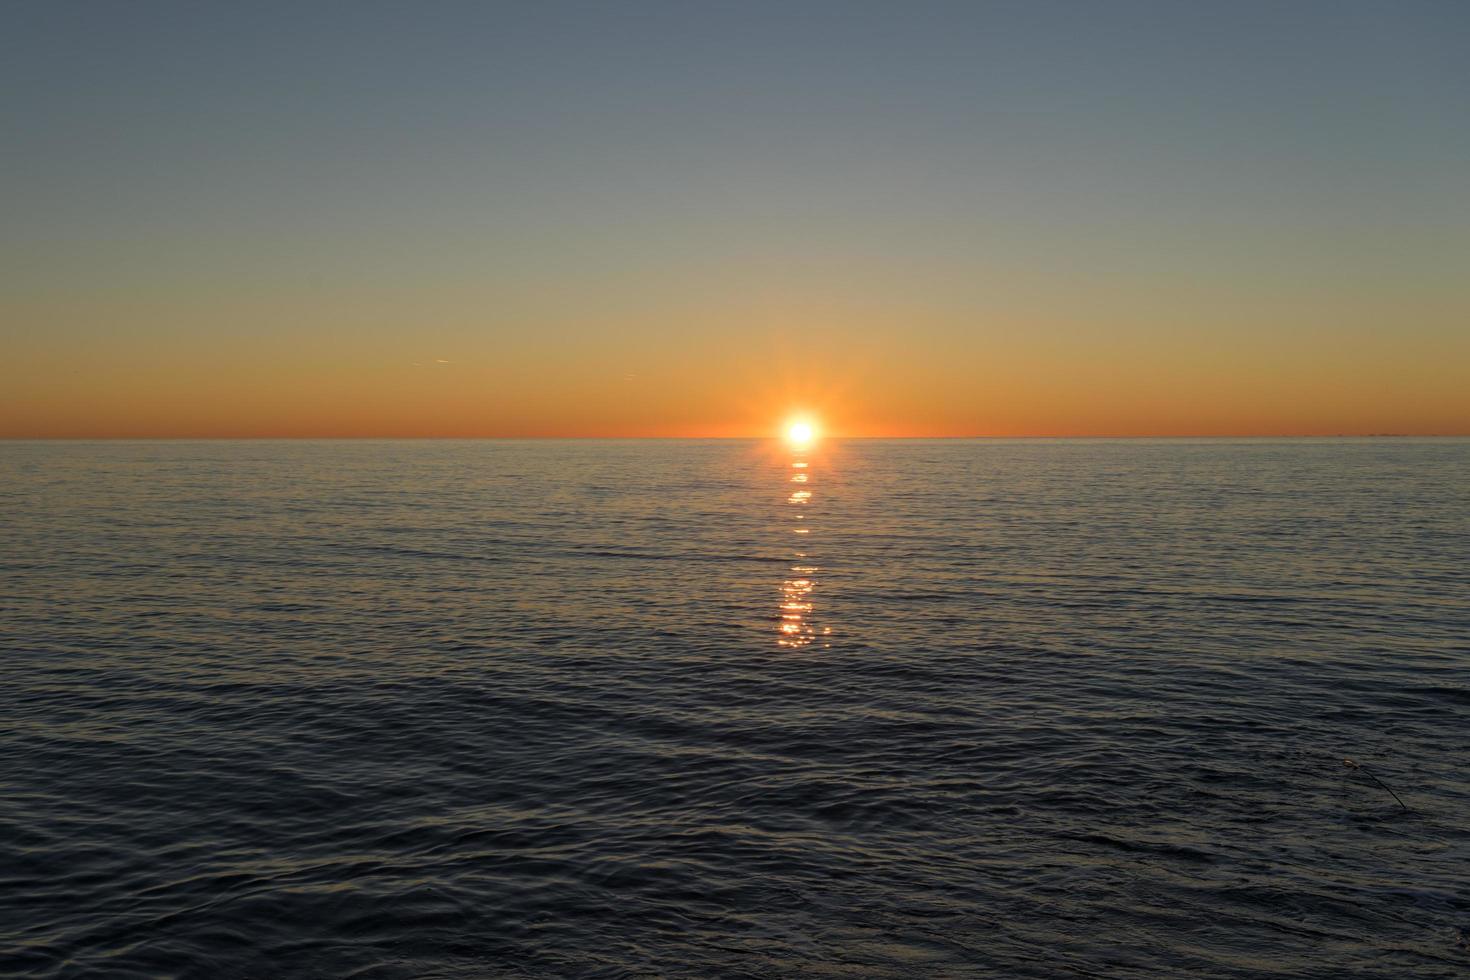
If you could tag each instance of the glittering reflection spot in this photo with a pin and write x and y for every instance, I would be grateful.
(796, 608)
(795, 631)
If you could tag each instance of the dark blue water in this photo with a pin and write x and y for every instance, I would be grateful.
(456, 709)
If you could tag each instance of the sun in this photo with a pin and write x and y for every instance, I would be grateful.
(800, 432)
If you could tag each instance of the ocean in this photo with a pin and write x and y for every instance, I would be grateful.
(729, 709)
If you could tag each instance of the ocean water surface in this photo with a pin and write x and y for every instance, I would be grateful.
(667, 708)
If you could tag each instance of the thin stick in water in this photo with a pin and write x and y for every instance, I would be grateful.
(1359, 768)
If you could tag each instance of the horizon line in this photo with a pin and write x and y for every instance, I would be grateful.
(746, 438)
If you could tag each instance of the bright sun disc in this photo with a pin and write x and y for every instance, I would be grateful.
(800, 433)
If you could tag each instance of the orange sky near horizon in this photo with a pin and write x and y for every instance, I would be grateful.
(861, 374)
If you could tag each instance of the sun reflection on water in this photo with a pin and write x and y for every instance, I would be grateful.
(796, 627)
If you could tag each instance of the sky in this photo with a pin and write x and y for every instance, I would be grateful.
(449, 219)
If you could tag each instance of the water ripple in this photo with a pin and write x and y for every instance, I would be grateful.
(499, 709)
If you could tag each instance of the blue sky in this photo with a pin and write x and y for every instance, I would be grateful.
(518, 171)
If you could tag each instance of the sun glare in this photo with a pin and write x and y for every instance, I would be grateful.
(800, 432)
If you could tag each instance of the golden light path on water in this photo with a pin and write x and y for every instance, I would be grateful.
(797, 627)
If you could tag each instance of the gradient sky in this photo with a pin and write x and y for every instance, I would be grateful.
(685, 218)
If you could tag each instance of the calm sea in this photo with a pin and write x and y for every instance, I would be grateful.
(580, 708)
